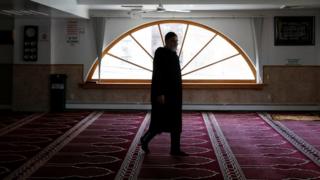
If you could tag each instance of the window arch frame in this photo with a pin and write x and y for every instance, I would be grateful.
(184, 81)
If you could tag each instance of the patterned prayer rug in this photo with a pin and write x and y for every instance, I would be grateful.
(98, 151)
(105, 145)
(260, 150)
(20, 145)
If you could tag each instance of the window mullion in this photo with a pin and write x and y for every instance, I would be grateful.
(184, 37)
(161, 34)
(141, 46)
(121, 59)
(214, 63)
(199, 52)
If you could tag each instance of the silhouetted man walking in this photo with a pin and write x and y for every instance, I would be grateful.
(166, 96)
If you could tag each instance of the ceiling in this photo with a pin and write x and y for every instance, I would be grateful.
(87, 8)
(28, 8)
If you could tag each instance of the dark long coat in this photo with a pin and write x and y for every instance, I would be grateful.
(166, 80)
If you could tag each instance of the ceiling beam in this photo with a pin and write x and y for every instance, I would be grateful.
(195, 2)
(208, 14)
(85, 8)
(69, 6)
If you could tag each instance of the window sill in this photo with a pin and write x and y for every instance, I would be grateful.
(135, 85)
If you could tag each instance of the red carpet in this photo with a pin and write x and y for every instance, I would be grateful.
(97, 152)
(201, 164)
(12, 120)
(8, 118)
(105, 145)
(22, 143)
(307, 130)
(260, 151)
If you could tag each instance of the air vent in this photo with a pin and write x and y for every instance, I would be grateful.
(20, 12)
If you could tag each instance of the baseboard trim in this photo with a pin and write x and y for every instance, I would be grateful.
(201, 107)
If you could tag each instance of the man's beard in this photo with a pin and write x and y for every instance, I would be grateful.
(174, 49)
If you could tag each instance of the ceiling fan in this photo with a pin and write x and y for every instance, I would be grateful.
(160, 8)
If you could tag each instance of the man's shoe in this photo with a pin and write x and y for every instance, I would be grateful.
(144, 146)
(178, 153)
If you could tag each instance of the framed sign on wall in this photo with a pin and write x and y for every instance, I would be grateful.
(294, 30)
(30, 43)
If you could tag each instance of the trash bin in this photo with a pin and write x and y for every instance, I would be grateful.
(58, 92)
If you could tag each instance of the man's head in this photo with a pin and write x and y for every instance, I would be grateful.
(171, 39)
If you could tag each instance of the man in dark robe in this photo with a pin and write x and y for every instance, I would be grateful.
(166, 96)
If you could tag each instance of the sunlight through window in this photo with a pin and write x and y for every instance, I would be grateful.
(205, 54)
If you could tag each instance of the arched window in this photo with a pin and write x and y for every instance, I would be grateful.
(206, 55)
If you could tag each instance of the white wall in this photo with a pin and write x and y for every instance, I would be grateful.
(63, 53)
(57, 51)
(274, 55)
